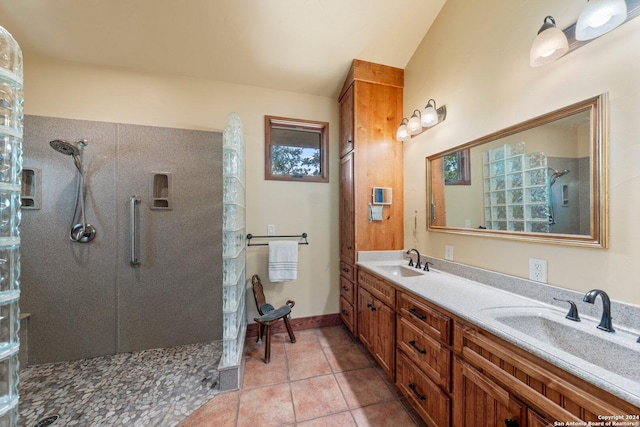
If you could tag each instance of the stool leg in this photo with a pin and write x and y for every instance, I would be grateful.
(260, 332)
(267, 341)
(292, 337)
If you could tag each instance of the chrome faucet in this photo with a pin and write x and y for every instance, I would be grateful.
(605, 321)
(418, 264)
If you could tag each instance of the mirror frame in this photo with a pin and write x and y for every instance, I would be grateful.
(598, 171)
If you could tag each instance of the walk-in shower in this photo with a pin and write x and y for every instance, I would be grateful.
(81, 232)
(554, 175)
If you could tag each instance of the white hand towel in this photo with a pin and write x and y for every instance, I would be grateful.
(283, 261)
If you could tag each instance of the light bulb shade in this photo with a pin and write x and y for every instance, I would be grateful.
(414, 127)
(550, 44)
(599, 17)
(429, 115)
(403, 132)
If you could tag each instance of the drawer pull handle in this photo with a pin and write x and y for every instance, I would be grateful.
(369, 305)
(511, 422)
(346, 288)
(346, 270)
(345, 312)
(418, 315)
(418, 349)
(420, 396)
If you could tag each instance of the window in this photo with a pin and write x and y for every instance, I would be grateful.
(296, 150)
(456, 168)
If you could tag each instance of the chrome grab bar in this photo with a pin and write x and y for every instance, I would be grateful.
(133, 201)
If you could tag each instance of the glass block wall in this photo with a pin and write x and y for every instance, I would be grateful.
(11, 125)
(516, 189)
(233, 242)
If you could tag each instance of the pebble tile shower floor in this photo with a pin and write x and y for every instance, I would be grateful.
(158, 387)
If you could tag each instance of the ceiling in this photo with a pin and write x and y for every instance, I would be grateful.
(303, 46)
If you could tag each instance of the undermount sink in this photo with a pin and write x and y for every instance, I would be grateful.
(400, 271)
(609, 352)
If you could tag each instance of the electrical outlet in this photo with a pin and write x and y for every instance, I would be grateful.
(538, 270)
(271, 230)
(448, 252)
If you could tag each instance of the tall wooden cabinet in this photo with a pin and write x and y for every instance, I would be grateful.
(370, 156)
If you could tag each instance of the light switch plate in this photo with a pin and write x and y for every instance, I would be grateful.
(271, 230)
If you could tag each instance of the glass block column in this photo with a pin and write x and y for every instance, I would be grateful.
(11, 125)
(233, 242)
(516, 189)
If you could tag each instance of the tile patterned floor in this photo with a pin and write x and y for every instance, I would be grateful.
(325, 379)
(148, 388)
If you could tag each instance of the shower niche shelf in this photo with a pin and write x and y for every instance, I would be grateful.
(161, 184)
(31, 188)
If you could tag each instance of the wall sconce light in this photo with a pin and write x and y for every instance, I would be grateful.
(597, 18)
(550, 44)
(421, 121)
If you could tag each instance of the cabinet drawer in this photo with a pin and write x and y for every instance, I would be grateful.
(433, 358)
(379, 288)
(347, 314)
(346, 290)
(347, 271)
(424, 317)
(433, 405)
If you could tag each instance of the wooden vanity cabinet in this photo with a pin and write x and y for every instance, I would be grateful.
(549, 392)
(370, 156)
(377, 320)
(455, 373)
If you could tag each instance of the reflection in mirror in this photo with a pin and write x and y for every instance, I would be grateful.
(539, 180)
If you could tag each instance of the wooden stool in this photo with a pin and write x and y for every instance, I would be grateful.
(268, 316)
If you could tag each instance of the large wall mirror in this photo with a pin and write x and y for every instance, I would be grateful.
(542, 180)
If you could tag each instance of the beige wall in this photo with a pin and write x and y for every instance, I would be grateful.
(71, 90)
(475, 59)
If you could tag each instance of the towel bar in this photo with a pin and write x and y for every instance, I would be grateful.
(299, 236)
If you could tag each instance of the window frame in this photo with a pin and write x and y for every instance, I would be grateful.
(322, 128)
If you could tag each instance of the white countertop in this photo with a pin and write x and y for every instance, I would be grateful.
(482, 305)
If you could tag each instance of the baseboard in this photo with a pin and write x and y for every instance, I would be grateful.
(299, 324)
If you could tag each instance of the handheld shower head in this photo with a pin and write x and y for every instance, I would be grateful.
(70, 149)
(557, 174)
(64, 147)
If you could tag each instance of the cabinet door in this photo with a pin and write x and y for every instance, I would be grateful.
(479, 402)
(385, 332)
(537, 420)
(365, 319)
(347, 216)
(346, 122)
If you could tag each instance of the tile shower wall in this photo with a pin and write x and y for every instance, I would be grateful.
(86, 300)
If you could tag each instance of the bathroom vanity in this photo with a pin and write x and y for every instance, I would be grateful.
(469, 354)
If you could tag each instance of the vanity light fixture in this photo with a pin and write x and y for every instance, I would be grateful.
(550, 44)
(421, 121)
(599, 17)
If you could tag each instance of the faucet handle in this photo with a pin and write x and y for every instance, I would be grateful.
(573, 310)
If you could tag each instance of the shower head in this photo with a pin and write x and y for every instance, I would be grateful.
(557, 174)
(64, 147)
(70, 149)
